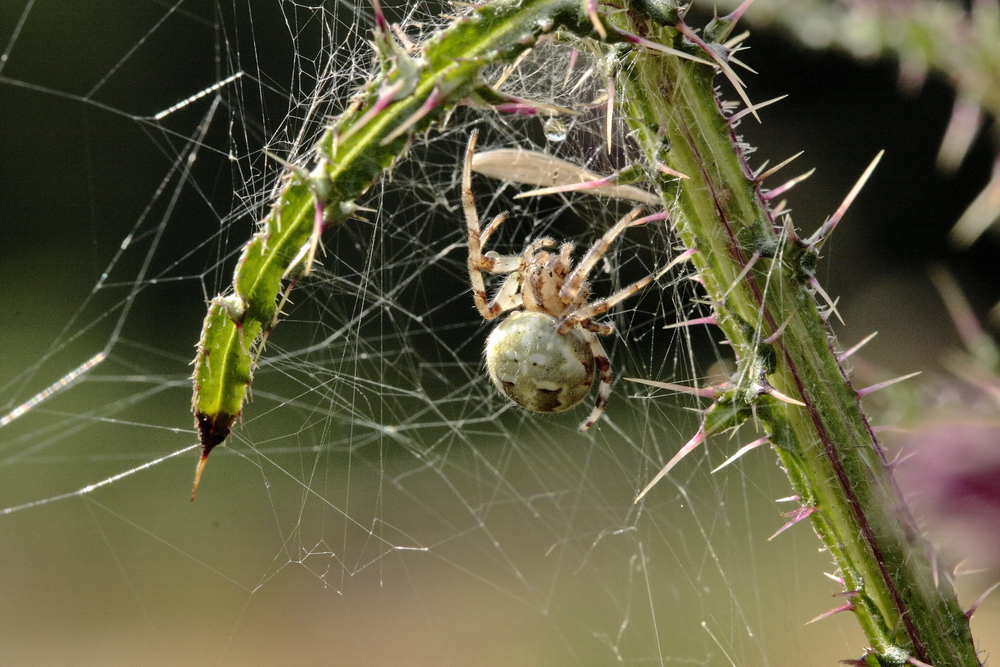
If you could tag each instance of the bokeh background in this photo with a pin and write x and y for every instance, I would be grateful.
(134, 574)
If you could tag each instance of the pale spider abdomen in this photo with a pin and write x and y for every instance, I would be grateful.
(535, 366)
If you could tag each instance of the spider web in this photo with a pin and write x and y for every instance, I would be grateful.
(378, 503)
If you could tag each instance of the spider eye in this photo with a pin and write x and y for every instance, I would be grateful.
(536, 367)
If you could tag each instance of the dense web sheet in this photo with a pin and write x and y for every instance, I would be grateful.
(378, 503)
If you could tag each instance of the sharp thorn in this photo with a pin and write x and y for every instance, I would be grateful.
(982, 213)
(534, 168)
(777, 167)
(432, 101)
(689, 323)
(704, 392)
(723, 65)
(979, 601)
(601, 187)
(381, 25)
(793, 518)
(664, 169)
(864, 341)
(827, 227)
(784, 398)
(965, 123)
(574, 54)
(743, 450)
(827, 614)
(743, 65)
(977, 343)
(746, 269)
(882, 385)
(679, 259)
(385, 98)
(611, 112)
(197, 475)
(510, 69)
(595, 19)
(787, 185)
(833, 311)
(748, 110)
(654, 217)
(582, 80)
(826, 297)
(735, 15)
(770, 340)
(858, 663)
(733, 42)
(653, 46)
(698, 438)
(525, 107)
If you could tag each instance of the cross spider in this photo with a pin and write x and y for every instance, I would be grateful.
(543, 355)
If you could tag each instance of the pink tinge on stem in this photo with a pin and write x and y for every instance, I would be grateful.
(735, 15)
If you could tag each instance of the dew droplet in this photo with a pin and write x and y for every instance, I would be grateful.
(555, 129)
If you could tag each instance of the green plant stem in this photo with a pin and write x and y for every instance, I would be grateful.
(836, 466)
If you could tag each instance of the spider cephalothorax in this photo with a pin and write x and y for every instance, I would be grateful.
(543, 355)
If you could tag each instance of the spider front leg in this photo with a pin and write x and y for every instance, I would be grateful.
(595, 308)
(579, 275)
(490, 262)
(603, 366)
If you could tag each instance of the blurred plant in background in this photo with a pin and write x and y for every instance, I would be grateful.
(926, 37)
(949, 463)
(948, 468)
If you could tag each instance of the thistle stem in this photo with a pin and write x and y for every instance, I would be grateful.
(827, 447)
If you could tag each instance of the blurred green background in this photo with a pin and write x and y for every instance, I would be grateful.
(257, 572)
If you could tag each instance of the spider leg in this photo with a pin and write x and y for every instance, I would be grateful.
(603, 365)
(595, 308)
(508, 296)
(581, 314)
(490, 228)
(565, 266)
(593, 256)
(478, 262)
(598, 328)
(569, 319)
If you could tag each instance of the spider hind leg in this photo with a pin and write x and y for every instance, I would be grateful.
(603, 366)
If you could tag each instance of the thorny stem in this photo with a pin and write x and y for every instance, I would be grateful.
(827, 448)
(756, 272)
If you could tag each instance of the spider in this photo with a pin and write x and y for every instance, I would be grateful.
(543, 355)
